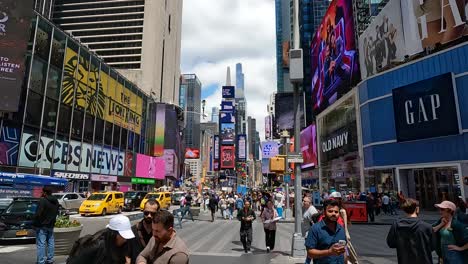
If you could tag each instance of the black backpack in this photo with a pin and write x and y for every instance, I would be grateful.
(85, 249)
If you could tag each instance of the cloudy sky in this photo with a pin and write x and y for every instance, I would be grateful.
(220, 33)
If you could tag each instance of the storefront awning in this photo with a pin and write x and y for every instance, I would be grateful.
(32, 179)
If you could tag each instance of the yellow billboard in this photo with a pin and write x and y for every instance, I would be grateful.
(104, 96)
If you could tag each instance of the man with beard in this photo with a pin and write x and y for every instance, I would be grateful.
(143, 229)
(326, 240)
(165, 247)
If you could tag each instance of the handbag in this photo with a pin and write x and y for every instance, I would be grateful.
(352, 255)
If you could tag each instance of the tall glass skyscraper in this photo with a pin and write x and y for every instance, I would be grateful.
(239, 81)
(193, 110)
(283, 40)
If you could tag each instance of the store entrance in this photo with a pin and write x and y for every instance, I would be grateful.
(430, 185)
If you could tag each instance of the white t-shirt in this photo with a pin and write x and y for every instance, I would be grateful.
(385, 200)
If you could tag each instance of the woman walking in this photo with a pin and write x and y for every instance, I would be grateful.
(269, 225)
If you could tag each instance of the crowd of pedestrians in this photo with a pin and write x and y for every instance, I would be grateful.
(325, 229)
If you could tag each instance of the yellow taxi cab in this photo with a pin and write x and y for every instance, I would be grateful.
(102, 203)
(164, 199)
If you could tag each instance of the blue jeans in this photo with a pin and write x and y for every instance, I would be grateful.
(45, 235)
(452, 256)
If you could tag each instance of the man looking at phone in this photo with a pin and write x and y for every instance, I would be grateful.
(246, 216)
(326, 240)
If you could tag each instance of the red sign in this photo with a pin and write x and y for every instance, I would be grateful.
(191, 153)
(227, 157)
(357, 212)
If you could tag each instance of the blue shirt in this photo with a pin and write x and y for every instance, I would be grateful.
(321, 237)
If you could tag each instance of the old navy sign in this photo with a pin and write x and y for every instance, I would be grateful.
(335, 142)
(72, 156)
(426, 109)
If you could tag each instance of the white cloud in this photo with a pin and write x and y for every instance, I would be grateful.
(220, 33)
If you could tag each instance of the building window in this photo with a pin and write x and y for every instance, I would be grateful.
(99, 131)
(34, 109)
(50, 114)
(43, 36)
(88, 128)
(64, 119)
(38, 74)
(77, 127)
(108, 134)
(53, 83)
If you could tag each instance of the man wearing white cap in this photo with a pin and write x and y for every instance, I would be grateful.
(107, 246)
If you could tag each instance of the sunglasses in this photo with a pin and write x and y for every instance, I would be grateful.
(146, 213)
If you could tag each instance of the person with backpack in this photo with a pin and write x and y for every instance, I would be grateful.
(107, 246)
(44, 221)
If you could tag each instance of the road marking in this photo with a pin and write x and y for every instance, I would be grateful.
(216, 254)
(10, 249)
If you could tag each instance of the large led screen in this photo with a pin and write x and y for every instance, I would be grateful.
(227, 133)
(284, 111)
(334, 60)
(309, 147)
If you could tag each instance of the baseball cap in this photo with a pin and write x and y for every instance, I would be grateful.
(121, 224)
(447, 205)
(335, 195)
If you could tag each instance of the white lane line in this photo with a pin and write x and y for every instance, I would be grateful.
(216, 254)
(10, 249)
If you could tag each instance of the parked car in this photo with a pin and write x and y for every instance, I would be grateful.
(164, 199)
(16, 220)
(176, 197)
(133, 200)
(4, 203)
(102, 203)
(69, 201)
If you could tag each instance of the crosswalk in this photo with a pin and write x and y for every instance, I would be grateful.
(11, 249)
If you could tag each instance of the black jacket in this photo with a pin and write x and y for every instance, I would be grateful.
(246, 224)
(93, 249)
(46, 212)
(413, 240)
(213, 203)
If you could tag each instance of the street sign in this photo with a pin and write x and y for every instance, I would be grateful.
(287, 178)
(295, 159)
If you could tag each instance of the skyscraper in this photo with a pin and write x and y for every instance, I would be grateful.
(140, 38)
(192, 111)
(239, 81)
(252, 137)
(283, 42)
(215, 115)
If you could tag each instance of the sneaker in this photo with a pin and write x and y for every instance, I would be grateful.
(268, 249)
(246, 251)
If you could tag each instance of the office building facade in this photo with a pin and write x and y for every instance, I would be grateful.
(215, 115)
(140, 38)
(283, 44)
(193, 110)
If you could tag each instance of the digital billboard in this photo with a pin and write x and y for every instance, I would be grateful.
(309, 147)
(150, 167)
(191, 153)
(227, 106)
(15, 22)
(216, 146)
(227, 133)
(241, 147)
(284, 111)
(227, 117)
(110, 101)
(334, 59)
(227, 157)
(159, 133)
(229, 92)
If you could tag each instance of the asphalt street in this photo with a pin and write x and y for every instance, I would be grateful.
(218, 242)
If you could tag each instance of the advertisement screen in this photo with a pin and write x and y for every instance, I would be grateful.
(267, 127)
(15, 23)
(229, 92)
(150, 167)
(110, 101)
(227, 117)
(242, 147)
(334, 60)
(228, 157)
(227, 106)
(383, 42)
(216, 147)
(445, 21)
(309, 147)
(284, 111)
(159, 130)
(227, 133)
(191, 153)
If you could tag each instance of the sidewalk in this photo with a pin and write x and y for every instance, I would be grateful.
(383, 219)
